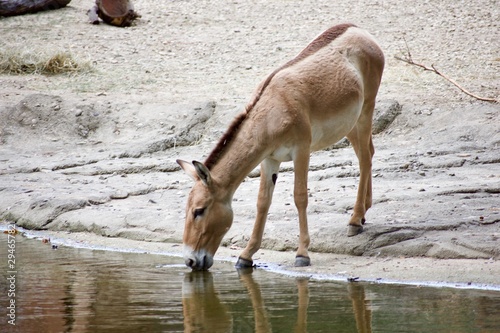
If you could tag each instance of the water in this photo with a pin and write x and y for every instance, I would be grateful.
(83, 290)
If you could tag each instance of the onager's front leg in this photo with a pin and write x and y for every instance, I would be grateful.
(268, 175)
(301, 167)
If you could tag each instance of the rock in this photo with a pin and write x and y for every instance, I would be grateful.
(385, 113)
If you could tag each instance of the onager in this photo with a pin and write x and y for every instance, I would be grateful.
(325, 93)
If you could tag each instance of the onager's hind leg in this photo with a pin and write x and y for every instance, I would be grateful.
(361, 140)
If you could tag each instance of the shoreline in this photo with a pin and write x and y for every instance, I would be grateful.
(477, 274)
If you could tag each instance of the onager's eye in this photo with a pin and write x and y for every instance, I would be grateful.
(198, 212)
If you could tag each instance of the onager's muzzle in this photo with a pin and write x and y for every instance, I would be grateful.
(198, 261)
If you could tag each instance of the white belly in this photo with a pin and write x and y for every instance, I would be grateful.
(283, 154)
(328, 132)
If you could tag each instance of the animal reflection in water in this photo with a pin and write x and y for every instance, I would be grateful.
(205, 312)
(324, 94)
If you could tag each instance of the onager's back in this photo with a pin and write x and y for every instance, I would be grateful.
(324, 94)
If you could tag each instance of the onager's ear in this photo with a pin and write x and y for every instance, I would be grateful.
(203, 173)
(197, 171)
(188, 169)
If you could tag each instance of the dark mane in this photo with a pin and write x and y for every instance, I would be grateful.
(224, 140)
(318, 43)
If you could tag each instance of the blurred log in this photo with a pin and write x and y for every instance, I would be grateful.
(119, 13)
(19, 7)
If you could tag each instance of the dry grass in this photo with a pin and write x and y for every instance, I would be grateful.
(29, 62)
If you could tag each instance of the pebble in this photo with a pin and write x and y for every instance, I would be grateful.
(119, 195)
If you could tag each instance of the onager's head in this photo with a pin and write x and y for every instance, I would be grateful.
(208, 217)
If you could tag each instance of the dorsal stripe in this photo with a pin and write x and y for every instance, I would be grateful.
(318, 43)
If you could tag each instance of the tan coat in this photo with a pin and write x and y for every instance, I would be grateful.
(324, 94)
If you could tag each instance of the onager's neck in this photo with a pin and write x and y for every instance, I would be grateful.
(243, 154)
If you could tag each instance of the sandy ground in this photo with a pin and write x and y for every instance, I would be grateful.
(93, 153)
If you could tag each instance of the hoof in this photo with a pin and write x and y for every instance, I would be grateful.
(301, 261)
(243, 263)
(354, 230)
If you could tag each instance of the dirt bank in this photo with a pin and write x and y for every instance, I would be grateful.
(94, 151)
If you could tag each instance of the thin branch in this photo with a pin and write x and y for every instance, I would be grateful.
(409, 60)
